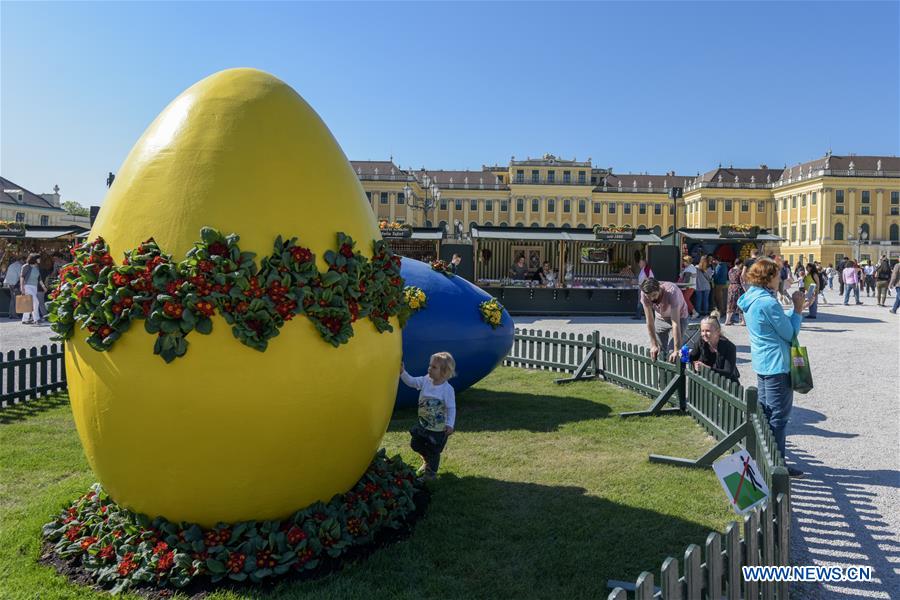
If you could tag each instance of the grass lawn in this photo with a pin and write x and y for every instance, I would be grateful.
(543, 492)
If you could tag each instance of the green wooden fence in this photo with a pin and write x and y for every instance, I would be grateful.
(29, 374)
(729, 413)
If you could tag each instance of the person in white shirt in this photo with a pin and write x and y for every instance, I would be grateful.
(869, 280)
(644, 272)
(11, 282)
(437, 411)
(689, 278)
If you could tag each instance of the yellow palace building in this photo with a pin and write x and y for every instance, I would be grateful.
(823, 209)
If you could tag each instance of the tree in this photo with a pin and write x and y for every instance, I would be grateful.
(73, 208)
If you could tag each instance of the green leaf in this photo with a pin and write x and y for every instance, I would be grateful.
(237, 576)
(204, 326)
(215, 566)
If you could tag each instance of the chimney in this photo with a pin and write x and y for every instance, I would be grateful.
(763, 166)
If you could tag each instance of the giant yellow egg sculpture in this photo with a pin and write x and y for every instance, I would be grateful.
(229, 433)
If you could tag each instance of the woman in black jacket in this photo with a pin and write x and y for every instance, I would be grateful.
(715, 351)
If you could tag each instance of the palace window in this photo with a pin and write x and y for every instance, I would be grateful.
(711, 205)
(803, 233)
(864, 210)
(535, 205)
(838, 196)
(369, 197)
(895, 210)
(551, 176)
(458, 204)
(814, 198)
(657, 209)
(400, 198)
(728, 205)
(45, 220)
(489, 205)
(504, 206)
(895, 198)
(838, 232)
(642, 208)
(593, 180)
(384, 198)
(567, 176)
(839, 209)
(793, 237)
(812, 232)
(520, 176)
(627, 210)
(865, 229)
(596, 208)
(803, 200)
(793, 201)
(612, 208)
(567, 205)
(582, 206)
(535, 176)
(20, 217)
(551, 205)
(784, 203)
(760, 206)
(671, 209)
(745, 206)
(443, 204)
(865, 197)
(473, 205)
(580, 176)
(895, 232)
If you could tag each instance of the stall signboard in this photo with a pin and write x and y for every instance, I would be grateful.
(396, 233)
(739, 232)
(10, 229)
(614, 234)
(594, 256)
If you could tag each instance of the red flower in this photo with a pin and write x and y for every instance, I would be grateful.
(104, 331)
(346, 251)
(396, 281)
(304, 556)
(117, 308)
(235, 562)
(211, 538)
(173, 309)
(205, 308)
(217, 249)
(127, 565)
(206, 266)
(295, 535)
(107, 552)
(224, 535)
(120, 280)
(301, 254)
(166, 561)
(85, 292)
(264, 560)
(160, 547)
(88, 542)
(127, 301)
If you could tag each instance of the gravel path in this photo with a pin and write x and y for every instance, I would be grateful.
(845, 435)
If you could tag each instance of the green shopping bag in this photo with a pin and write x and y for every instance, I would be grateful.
(801, 375)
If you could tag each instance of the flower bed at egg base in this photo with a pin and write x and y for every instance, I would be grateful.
(96, 543)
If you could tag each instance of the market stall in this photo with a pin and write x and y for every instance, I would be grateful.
(51, 242)
(726, 243)
(420, 243)
(595, 269)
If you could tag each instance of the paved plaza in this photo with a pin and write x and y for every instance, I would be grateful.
(844, 434)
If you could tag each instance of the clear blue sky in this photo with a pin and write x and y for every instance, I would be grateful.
(639, 86)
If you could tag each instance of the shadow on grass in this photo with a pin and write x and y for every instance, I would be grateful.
(493, 410)
(28, 408)
(558, 541)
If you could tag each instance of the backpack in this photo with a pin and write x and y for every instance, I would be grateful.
(883, 273)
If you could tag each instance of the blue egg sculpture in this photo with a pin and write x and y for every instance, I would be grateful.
(450, 322)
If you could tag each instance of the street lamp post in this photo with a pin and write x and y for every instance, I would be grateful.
(861, 237)
(432, 196)
(674, 194)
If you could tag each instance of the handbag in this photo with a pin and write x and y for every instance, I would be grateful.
(801, 374)
(24, 303)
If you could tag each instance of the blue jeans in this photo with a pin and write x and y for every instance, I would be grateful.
(896, 299)
(851, 287)
(701, 303)
(814, 307)
(776, 398)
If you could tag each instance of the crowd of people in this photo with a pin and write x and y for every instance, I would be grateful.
(755, 293)
(30, 274)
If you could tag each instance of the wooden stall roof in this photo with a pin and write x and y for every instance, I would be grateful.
(713, 235)
(50, 232)
(427, 233)
(643, 236)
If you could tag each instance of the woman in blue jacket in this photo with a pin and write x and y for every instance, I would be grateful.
(771, 330)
